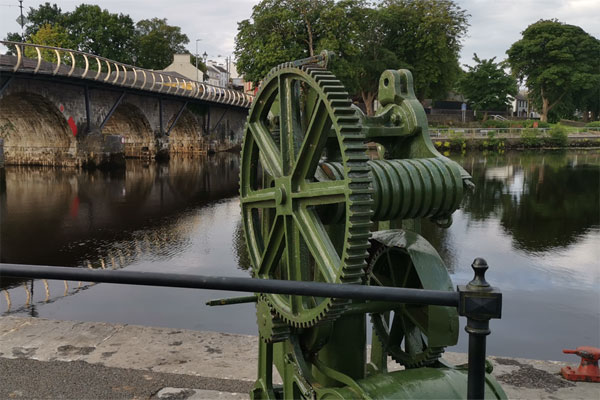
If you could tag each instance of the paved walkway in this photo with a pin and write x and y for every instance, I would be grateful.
(42, 358)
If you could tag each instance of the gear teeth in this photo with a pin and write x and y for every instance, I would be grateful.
(427, 357)
(358, 201)
(271, 328)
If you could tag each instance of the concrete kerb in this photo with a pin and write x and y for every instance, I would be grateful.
(222, 356)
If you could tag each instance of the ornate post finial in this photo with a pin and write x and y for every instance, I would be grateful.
(479, 283)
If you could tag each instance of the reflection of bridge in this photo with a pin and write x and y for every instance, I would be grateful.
(65, 107)
(103, 220)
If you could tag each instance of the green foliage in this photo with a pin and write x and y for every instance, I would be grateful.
(557, 136)
(157, 42)
(100, 32)
(560, 64)
(457, 139)
(45, 14)
(423, 36)
(531, 138)
(594, 124)
(492, 123)
(48, 35)
(91, 29)
(201, 65)
(278, 31)
(487, 86)
(529, 123)
(493, 142)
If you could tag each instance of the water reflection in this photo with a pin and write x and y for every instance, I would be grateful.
(67, 217)
(104, 220)
(543, 202)
(535, 217)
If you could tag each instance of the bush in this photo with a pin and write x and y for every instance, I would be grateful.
(528, 123)
(457, 138)
(557, 136)
(492, 123)
(531, 138)
(594, 124)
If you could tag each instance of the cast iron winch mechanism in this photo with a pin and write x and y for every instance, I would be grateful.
(333, 236)
(316, 207)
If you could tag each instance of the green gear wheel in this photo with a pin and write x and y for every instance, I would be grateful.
(402, 339)
(279, 194)
(271, 328)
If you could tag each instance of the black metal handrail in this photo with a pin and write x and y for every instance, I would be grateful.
(478, 301)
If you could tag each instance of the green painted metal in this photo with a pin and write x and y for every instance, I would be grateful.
(412, 335)
(279, 193)
(311, 197)
(420, 383)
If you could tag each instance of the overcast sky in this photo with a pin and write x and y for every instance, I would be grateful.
(494, 25)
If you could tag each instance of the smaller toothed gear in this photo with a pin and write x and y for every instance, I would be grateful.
(270, 327)
(401, 331)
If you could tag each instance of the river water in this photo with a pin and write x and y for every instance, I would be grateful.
(535, 217)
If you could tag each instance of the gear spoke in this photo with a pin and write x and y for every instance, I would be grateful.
(321, 193)
(262, 198)
(298, 111)
(401, 334)
(318, 243)
(269, 155)
(313, 144)
(289, 105)
(273, 248)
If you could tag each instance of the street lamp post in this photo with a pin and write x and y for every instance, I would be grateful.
(197, 55)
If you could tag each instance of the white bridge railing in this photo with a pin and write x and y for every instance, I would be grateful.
(32, 58)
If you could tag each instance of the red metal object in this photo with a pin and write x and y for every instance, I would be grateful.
(588, 369)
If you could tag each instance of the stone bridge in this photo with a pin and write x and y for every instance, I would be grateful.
(69, 108)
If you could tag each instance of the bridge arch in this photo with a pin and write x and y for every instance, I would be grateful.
(129, 121)
(186, 137)
(35, 131)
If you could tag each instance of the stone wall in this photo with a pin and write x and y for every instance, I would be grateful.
(45, 122)
(35, 132)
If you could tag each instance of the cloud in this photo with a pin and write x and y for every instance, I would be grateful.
(496, 25)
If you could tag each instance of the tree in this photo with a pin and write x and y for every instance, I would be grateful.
(48, 35)
(45, 14)
(278, 31)
(100, 32)
(425, 36)
(356, 37)
(487, 86)
(157, 42)
(557, 61)
(201, 65)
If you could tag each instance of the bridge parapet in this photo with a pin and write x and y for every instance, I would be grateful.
(80, 65)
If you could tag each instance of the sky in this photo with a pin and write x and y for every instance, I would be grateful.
(494, 25)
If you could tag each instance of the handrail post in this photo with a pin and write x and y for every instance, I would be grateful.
(479, 302)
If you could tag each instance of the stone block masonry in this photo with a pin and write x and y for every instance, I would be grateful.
(1, 153)
(45, 122)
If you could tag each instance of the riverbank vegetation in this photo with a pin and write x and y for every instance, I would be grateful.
(557, 136)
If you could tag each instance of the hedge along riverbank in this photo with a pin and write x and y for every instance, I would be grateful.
(556, 137)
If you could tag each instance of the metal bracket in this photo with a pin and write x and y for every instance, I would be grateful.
(5, 84)
(176, 118)
(112, 110)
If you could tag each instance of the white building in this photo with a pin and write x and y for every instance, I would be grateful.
(182, 65)
(522, 107)
(217, 74)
